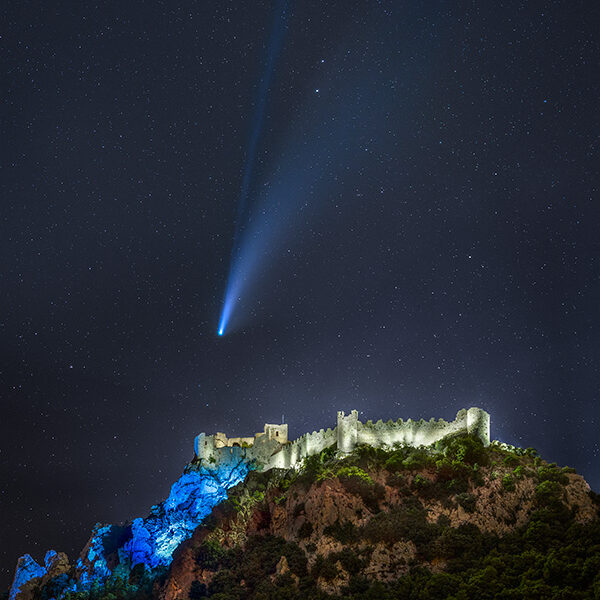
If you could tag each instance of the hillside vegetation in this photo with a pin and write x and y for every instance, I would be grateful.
(457, 521)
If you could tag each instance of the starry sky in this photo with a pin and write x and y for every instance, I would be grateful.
(421, 229)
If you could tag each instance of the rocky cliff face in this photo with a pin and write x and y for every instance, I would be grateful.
(373, 518)
(150, 541)
(30, 576)
(405, 519)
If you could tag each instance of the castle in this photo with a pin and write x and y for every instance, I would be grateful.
(272, 449)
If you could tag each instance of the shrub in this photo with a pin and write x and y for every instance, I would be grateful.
(259, 558)
(511, 460)
(460, 542)
(418, 459)
(357, 586)
(316, 468)
(408, 522)
(310, 470)
(426, 488)
(465, 449)
(395, 462)
(345, 532)
(210, 555)
(441, 585)
(443, 521)
(508, 483)
(305, 530)
(398, 481)
(223, 582)
(287, 481)
(349, 559)
(368, 457)
(296, 559)
(547, 492)
(354, 472)
(358, 482)
(551, 472)
(325, 568)
(467, 501)
(477, 476)
(420, 482)
(457, 486)
(198, 590)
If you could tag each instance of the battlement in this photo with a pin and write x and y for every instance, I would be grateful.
(271, 448)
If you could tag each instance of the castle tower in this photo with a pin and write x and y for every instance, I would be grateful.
(347, 431)
(279, 433)
(478, 423)
(204, 446)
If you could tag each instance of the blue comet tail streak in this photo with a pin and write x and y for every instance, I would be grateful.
(274, 48)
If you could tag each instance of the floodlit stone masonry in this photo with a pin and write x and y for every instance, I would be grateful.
(271, 448)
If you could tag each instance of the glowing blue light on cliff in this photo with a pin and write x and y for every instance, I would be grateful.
(27, 569)
(114, 549)
(190, 501)
(151, 540)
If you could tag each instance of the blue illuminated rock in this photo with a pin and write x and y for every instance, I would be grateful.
(27, 576)
(101, 554)
(151, 541)
(155, 538)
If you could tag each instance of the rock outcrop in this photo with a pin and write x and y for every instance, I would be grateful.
(30, 576)
(372, 511)
(340, 525)
(148, 541)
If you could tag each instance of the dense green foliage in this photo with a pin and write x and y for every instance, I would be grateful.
(552, 557)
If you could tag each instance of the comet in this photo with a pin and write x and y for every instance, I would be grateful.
(339, 132)
(273, 51)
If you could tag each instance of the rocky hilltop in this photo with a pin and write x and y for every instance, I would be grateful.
(456, 520)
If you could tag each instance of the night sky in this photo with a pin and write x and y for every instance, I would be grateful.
(418, 234)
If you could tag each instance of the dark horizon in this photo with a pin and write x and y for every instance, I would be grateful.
(420, 236)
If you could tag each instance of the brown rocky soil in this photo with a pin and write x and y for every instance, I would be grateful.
(496, 510)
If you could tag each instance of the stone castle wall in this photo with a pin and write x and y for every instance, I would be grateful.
(424, 433)
(306, 445)
(349, 432)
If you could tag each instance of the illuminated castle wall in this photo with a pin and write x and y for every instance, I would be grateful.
(271, 448)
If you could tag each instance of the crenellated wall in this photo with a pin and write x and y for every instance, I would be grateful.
(269, 452)
(306, 445)
(425, 433)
